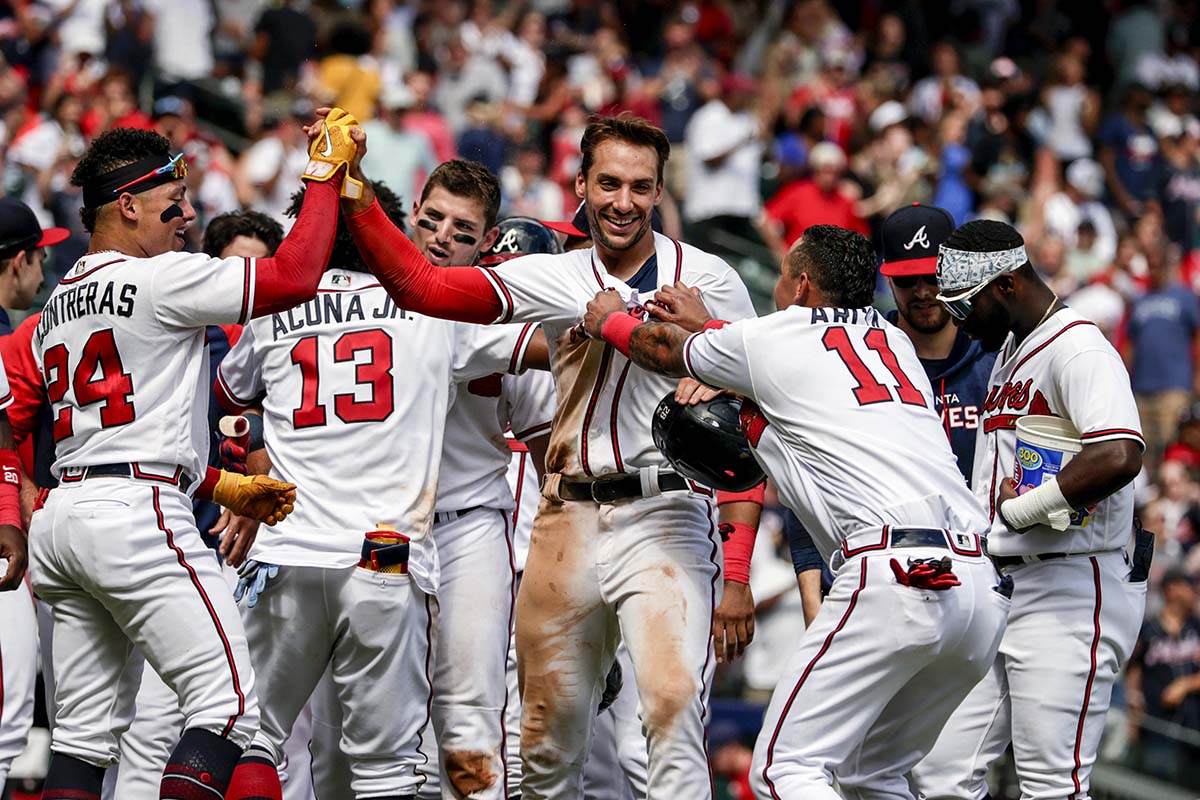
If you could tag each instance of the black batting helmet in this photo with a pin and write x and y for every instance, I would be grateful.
(521, 236)
(705, 442)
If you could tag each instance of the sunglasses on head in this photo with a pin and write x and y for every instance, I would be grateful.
(910, 281)
(176, 167)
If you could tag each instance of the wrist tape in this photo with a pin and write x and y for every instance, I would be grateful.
(1044, 505)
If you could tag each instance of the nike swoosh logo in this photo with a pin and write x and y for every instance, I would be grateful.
(327, 150)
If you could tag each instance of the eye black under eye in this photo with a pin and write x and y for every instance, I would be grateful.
(464, 238)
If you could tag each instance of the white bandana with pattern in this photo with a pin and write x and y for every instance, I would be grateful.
(958, 270)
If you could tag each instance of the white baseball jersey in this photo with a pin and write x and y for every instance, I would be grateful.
(6, 397)
(356, 392)
(121, 346)
(602, 424)
(532, 403)
(474, 454)
(852, 440)
(1065, 368)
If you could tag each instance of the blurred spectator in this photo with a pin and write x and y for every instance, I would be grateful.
(266, 171)
(1178, 188)
(525, 189)
(679, 78)
(952, 192)
(1078, 203)
(117, 107)
(1069, 111)
(1186, 447)
(129, 36)
(466, 78)
(889, 57)
(819, 200)
(946, 88)
(423, 118)
(525, 58)
(483, 141)
(724, 154)
(731, 757)
(1135, 33)
(397, 155)
(1162, 332)
(1164, 684)
(38, 146)
(182, 38)
(284, 39)
(832, 91)
(1128, 151)
(348, 76)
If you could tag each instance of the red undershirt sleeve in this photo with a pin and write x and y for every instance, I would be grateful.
(293, 274)
(457, 293)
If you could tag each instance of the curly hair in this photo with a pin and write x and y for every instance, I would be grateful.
(112, 149)
(841, 264)
(467, 179)
(345, 253)
(224, 228)
(623, 128)
(984, 236)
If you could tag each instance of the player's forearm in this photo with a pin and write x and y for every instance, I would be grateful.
(809, 582)
(458, 293)
(1099, 470)
(293, 274)
(739, 521)
(654, 346)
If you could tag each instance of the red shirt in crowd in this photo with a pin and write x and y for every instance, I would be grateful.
(800, 205)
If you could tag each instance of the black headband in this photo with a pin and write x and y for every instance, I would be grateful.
(140, 176)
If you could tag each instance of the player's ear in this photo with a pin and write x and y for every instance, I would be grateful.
(127, 207)
(489, 239)
(803, 287)
(580, 185)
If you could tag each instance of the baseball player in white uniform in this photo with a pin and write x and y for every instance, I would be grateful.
(453, 223)
(342, 380)
(843, 421)
(18, 645)
(115, 551)
(1077, 607)
(622, 546)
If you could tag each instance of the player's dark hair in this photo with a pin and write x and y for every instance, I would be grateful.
(467, 179)
(112, 149)
(984, 236)
(345, 253)
(624, 128)
(839, 262)
(224, 228)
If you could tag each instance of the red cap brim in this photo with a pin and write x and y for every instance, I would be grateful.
(566, 227)
(914, 266)
(53, 236)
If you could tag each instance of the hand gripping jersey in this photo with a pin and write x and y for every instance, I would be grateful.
(851, 437)
(1065, 368)
(356, 392)
(116, 325)
(602, 425)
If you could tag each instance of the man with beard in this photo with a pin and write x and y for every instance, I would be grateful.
(623, 547)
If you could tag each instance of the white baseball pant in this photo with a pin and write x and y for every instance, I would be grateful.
(475, 599)
(121, 564)
(18, 672)
(875, 677)
(1072, 627)
(644, 570)
(372, 628)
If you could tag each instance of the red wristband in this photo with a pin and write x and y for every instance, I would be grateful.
(738, 549)
(205, 489)
(755, 494)
(714, 325)
(617, 330)
(10, 489)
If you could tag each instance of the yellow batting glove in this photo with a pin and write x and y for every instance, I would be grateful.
(255, 496)
(332, 149)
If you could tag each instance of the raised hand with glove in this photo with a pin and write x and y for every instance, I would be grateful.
(331, 147)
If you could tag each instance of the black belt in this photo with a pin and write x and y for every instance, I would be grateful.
(918, 537)
(610, 490)
(449, 516)
(1003, 562)
(179, 479)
